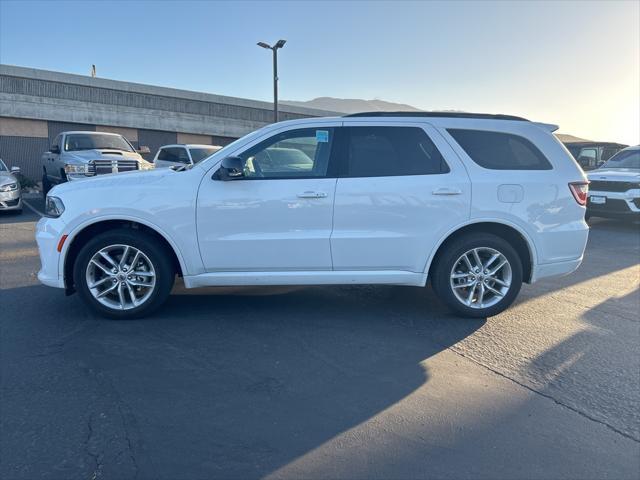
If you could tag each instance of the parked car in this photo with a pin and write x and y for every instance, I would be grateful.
(180, 155)
(10, 190)
(591, 155)
(615, 187)
(387, 199)
(78, 155)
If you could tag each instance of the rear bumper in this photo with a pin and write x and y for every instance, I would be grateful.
(557, 269)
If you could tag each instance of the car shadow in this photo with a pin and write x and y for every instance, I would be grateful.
(220, 385)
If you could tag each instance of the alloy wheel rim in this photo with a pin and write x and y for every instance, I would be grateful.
(481, 277)
(120, 277)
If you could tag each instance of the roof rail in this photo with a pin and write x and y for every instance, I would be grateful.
(485, 116)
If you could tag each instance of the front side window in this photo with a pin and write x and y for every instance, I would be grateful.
(624, 159)
(391, 151)
(3, 167)
(200, 153)
(500, 151)
(300, 153)
(96, 141)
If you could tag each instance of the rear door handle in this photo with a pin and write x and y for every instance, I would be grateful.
(446, 191)
(310, 194)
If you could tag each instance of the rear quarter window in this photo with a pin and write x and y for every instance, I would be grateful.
(500, 151)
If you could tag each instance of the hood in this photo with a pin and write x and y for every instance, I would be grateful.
(102, 153)
(134, 179)
(7, 177)
(622, 174)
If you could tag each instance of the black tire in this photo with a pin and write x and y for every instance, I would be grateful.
(147, 244)
(46, 185)
(444, 265)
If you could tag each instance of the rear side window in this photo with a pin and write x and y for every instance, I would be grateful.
(174, 154)
(500, 151)
(391, 151)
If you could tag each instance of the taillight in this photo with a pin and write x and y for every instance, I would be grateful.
(580, 191)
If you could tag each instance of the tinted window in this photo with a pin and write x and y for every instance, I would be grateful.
(391, 151)
(624, 159)
(500, 151)
(174, 154)
(294, 154)
(200, 153)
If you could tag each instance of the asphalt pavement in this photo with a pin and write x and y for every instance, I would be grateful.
(324, 382)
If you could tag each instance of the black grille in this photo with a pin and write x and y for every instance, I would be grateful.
(101, 167)
(609, 186)
(11, 203)
(636, 202)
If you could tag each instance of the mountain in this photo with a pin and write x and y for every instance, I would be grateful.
(352, 105)
(566, 138)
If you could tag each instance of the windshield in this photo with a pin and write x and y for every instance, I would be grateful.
(201, 153)
(624, 159)
(91, 141)
(3, 167)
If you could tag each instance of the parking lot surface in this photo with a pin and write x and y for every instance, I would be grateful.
(331, 382)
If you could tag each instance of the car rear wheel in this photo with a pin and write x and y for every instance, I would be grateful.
(123, 274)
(478, 275)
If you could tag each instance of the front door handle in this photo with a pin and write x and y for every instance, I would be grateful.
(310, 194)
(446, 191)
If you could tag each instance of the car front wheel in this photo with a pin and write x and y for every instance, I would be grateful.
(123, 274)
(478, 275)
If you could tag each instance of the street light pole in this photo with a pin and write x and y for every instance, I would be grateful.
(279, 44)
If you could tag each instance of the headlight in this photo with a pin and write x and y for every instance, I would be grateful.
(71, 169)
(53, 207)
(9, 187)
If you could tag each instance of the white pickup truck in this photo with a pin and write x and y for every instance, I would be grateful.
(76, 155)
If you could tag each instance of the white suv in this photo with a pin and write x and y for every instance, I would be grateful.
(181, 155)
(477, 203)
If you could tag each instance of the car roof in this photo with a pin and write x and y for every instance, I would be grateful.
(594, 144)
(475, 116)
(190, 145)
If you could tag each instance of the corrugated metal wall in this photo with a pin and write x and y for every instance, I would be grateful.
(24, 152)
(83, 93)
(154, 139)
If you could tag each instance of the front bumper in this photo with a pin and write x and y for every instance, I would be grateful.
(11, 200)
(48, 233)
(619, 205)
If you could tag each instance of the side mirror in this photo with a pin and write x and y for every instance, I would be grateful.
(230, 169)
(143, 150)
(54, 149)
(15, 169)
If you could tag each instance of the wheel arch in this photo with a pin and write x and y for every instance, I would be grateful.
(515, 235)
(76, 240)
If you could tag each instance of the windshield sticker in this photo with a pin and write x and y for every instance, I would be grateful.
(322, 136)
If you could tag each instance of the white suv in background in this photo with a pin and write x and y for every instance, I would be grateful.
(181, 155)
(477, 203)
(615, 187)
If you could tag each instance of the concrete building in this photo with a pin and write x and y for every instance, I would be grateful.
(36, 105)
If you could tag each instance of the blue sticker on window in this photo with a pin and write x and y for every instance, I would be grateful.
(322, 136)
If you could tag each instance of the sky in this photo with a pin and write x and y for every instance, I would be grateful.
(575, 64)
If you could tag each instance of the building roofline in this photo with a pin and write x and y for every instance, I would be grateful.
(71, 78)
